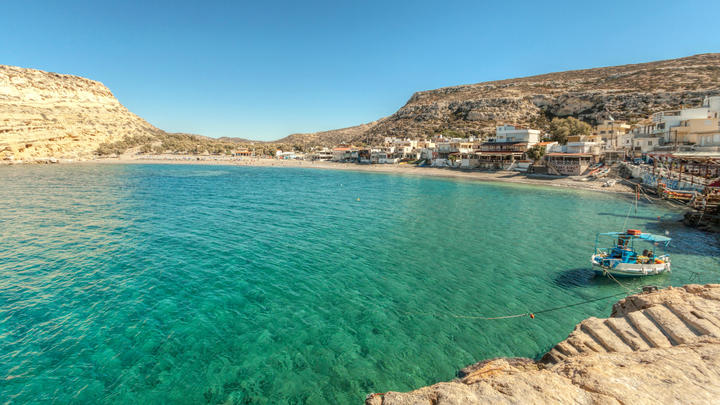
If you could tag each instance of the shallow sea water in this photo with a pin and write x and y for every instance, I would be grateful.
(205, 284)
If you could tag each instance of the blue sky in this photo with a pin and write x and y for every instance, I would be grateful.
(262, 70)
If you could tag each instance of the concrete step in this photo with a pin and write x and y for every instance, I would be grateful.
(681, 319)
(712, 294)
(578, 345)
(712, 311)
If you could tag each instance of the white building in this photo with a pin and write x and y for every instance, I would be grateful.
(285, 155)
(615, 134)
(582, 147)
(446, 147)
(665, 122)
(510, 133)
(344, 154)
(713, 104)
(322, 154)
(383, 156)
(645, 143)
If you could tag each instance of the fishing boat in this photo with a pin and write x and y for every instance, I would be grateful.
(622, 259)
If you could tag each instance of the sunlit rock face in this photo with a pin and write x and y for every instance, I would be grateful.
(48, 115)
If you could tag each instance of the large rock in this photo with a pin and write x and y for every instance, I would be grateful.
(657, 347)
(48, 115)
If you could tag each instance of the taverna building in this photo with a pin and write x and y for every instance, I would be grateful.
(511, 133)
(575, 157)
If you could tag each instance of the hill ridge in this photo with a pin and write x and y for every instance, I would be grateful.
(630, 92)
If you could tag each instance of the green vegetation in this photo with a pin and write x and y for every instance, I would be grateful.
(163, 142)
(119, 147)
(536, 152)
(451, 133)
(562, 128)
(178, 143)
(539, 121)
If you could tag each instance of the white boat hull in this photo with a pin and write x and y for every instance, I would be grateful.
(603, 266)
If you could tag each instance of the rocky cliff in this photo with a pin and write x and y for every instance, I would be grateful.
(53, 115)
(626, 92)
(330, 138)
(657, 347)
(45, 115)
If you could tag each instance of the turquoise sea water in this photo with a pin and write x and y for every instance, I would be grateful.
(204, 284)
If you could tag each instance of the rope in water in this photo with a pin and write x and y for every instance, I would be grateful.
(627, 289)
(580, 303)
(530, 314)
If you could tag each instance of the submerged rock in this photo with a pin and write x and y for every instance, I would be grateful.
(657, 347)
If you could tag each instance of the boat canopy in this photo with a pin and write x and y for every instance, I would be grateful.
(645, 236)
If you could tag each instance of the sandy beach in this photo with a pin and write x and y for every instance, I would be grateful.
(402, 169)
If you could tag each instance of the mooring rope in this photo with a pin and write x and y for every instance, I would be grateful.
(531, 314)
(580, 303)
(627, 216)
(627, 289)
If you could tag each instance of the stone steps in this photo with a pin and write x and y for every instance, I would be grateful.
(646, 325)
(623, 329)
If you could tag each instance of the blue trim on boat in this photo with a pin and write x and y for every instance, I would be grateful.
(645, 236)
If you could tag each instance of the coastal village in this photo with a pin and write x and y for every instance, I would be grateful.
(689, 138)
(674, 155)
(670, 152)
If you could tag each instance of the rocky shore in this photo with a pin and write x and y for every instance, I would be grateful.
(656, 347)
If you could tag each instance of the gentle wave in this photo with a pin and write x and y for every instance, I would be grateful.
(190, 284)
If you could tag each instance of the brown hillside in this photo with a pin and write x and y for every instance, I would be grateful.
(626, 92)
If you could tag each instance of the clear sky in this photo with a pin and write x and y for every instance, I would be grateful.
(265, 69)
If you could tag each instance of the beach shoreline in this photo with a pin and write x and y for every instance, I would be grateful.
(397, 169)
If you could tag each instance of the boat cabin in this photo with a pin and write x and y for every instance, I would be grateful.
(624, 246)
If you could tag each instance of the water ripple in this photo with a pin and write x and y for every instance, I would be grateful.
(188, 284)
